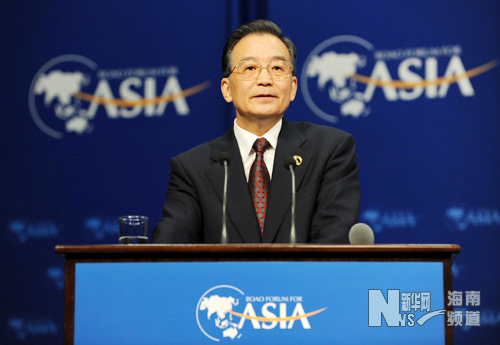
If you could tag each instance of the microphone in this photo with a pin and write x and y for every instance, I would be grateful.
(224, 159)
(361, 233)
(289, 165)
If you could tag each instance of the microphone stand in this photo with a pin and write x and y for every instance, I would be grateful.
(289, 164)
(223, 237)
(224, 159)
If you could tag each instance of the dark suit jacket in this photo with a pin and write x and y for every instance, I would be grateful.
(327, 185)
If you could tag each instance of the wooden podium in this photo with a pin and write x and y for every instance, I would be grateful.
(245, 258)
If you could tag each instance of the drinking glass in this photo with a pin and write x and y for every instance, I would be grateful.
(133, 229)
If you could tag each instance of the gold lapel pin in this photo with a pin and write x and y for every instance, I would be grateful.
(298, 160)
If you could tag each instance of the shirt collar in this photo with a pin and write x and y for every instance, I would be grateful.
(246, 139)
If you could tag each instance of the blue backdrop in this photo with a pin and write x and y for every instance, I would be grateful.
(81, 147)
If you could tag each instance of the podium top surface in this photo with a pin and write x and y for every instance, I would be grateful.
(257, 250)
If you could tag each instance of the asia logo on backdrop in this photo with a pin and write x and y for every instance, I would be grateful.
(463, 218)
(23, 230)
(381, 219)
(27, 329)
(341, 75)
(223, 310)
(67, 92)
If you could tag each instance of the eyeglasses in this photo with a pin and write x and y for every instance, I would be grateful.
(250, 69)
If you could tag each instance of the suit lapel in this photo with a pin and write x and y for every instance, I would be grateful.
(280, 190)
(239, 208)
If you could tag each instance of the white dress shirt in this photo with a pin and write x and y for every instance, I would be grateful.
(246, 140)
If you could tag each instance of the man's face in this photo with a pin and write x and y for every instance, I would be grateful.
(263, 97)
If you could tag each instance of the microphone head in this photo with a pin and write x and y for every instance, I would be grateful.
(224, 156)
(361, 233)
(288, 161)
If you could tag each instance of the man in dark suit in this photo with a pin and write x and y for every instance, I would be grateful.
(259, 67)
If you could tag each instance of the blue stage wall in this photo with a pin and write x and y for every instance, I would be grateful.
(73, 163)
